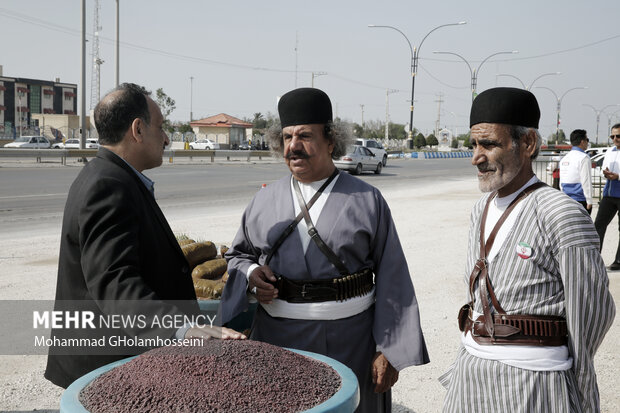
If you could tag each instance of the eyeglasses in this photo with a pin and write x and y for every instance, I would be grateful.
(614, 136)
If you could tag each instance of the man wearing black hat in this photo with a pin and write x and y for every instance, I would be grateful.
(319, 251)
(540, 304)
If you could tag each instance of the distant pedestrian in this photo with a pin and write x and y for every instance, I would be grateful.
(610, 204)
(576, 169)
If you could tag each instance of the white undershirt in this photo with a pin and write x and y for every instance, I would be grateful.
(328, 310)
(537, 358)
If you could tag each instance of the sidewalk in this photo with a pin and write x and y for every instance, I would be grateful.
(432, 222)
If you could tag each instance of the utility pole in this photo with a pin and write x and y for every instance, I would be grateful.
(296, 47)
(95, 77)
(83, 77)
(387, 111)
(191, 97)
(438, 121)
(116, 72)
(362, 106)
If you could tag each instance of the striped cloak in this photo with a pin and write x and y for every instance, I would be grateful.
(564, 276)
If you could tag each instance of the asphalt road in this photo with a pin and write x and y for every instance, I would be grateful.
(35, 196)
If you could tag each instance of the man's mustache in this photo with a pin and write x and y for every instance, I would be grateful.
(485, 168)
(297, 154)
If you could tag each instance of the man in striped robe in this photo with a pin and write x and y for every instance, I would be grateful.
(544, 261)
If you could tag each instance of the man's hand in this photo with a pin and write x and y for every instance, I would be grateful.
(261, 278)
(384, 376)
(207, 333)
(612, 176)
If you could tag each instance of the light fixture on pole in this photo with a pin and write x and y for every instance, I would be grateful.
(531, 84)
(598, 115)
(415, 53)
(474, 72)
(317, 74)
(559, 107)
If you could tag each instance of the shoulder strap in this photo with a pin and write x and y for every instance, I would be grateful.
(287, 231)
(480, 271)
(314, 235)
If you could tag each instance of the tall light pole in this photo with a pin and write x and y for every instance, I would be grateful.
(559, 107)
(387, 111)
(609, 117)
(474, 72)
(531, 84)
(598, 115)
(83, 85)
(317, 74)
(415, 53)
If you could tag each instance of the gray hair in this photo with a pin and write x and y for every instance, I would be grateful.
(517, 131)
(339, 133)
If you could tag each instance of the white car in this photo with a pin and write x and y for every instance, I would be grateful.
(359, 159)
(204, 144)
(375, 147)
(75, 144)
(29, 142)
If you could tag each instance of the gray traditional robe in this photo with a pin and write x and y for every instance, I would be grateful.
(357, 225)
(564, 276)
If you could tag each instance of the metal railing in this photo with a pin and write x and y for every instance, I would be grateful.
(170, 154)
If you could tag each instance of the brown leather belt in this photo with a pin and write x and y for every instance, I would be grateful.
(333, 289)
(516, 329)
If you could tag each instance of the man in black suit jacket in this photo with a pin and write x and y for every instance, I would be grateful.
(118, 255)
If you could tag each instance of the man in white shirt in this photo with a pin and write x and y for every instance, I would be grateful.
(576, 169)
(610, 203)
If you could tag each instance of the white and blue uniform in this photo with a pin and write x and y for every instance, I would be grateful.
(612, 162)
(575, 179)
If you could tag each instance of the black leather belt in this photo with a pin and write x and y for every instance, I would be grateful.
(317, 291)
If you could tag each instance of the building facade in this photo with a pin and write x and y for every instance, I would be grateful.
(21, 98)
(228, 131)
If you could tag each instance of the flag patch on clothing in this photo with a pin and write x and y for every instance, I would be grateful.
(524, 250)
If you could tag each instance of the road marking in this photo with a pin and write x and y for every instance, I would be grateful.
(30, 196)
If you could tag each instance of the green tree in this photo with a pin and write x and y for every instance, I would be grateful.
(419, 141)
(431, 140)
(465, 137)
(553, 139)
(166, 105)
(397, 131)
(455, 143)
(259, 122)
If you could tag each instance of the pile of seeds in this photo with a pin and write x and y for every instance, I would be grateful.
(222, 376)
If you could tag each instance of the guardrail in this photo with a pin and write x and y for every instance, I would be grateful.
(63, 154)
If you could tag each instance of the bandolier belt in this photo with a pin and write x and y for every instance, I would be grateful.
(317, 291)
(501, 328)
(348, 285)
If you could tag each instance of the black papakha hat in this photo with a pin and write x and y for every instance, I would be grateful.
(304, 106)
(507, 105)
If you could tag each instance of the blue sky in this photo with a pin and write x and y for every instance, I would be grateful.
(242, 54)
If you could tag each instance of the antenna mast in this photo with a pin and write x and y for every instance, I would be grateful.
(95, 85)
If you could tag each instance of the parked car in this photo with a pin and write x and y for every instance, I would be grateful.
(75, 144)
(29, 142)
(358, 159)
(204, 144)
(597, 166)
(597, 151)
(375, 147)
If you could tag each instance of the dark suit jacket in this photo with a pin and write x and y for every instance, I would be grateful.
(118, 255)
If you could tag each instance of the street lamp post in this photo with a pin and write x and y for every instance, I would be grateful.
(559, 107)
(415, 53)
(317, 74)
(598, 115)
(531, 84)
(609, 117)
(474, 72)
